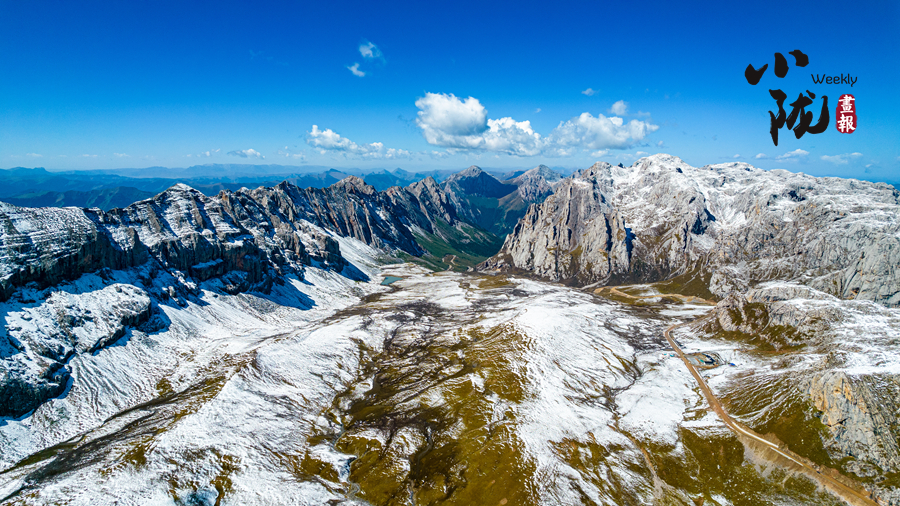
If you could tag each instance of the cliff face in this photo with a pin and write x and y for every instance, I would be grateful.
(861, 415)
(243, 240)
(841, 357)
(258, 232)
(731, 225)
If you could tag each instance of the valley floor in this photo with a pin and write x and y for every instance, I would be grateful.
(439, 388)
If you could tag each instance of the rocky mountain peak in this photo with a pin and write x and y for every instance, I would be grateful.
(732, 225)
(476, 182)
(354, 184)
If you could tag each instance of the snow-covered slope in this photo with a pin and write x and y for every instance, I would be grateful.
(245, 240)
(445, 388)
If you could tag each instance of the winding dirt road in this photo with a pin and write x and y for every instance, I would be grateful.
(849, 494)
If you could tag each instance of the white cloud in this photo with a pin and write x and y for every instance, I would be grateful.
(761, 156)
(736, 156)
(439, 154)
(590, 92)
(843, 159)
(451, 122)
(370, 50)
(444, 116)
(513, 137)
(355, 69)
(448, 121)
(642, 153)
(247, 153)
(34, 155)
(797, 153)
(620, 108)
(659, 144)
(89, 156)
(601, 132)
(329, 140)
(208, 153)
(537, 110)
(121, 155)
(602, 152)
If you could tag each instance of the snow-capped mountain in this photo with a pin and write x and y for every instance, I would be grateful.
(727, 226)
(242, 349)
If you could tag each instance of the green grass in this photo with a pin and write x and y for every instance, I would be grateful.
(470, 245)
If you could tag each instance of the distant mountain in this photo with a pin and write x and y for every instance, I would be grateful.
(384, 179)
(105, 199)
(213, 170)
(497, 205)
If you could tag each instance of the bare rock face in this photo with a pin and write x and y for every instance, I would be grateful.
(844, 362)
(731, 225)
(863, 423)
(240, 241)
(262, 233)
(536, 184)
(49, 245)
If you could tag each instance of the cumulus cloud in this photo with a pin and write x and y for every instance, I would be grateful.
(247, 153)
(442, 115)
(761, 156)
(600, 132)
(590, 92)
(736, 156)
(449, 121)
(121, 155)
(843, 159)
(797, 153)
(34, 155)
(369, 50)
(89, 156)
(620, 108)
(602, 152)
(659, 144)
(355, 69)
(329, 140)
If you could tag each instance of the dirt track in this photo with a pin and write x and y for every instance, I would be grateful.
(850, 494)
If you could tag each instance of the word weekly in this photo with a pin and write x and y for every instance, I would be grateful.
(798, 115)
(817, 79)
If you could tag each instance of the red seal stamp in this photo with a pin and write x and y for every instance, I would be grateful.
(846, 114)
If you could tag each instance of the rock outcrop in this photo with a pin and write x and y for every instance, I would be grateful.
(536, 184)
(861, 419)
(41, 338)
(731, 225)
(845, 365)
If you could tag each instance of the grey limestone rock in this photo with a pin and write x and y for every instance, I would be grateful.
(731, 225)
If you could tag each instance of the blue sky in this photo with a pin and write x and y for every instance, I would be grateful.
(448, 84)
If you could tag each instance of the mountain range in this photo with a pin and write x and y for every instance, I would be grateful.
(239, 345)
